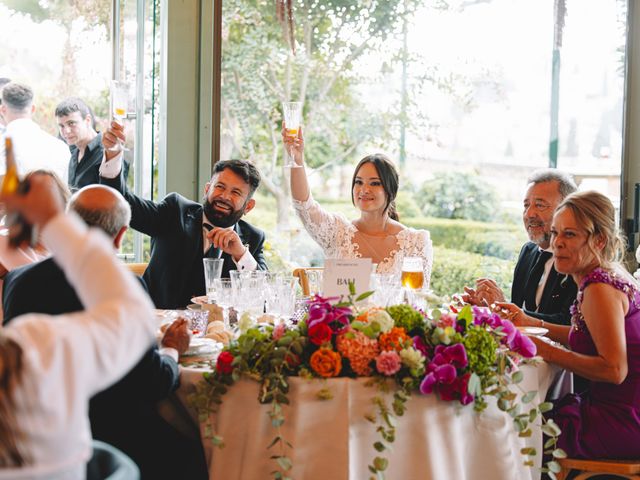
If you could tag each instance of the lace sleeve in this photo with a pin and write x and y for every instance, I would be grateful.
(324, 227)
(427, 254)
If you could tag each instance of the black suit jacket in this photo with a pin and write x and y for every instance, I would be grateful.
(558, 294)
(125, 414)
(175, 273)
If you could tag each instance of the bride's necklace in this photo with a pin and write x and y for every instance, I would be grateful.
(382, 233)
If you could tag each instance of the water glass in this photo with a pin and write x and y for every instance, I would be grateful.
(281, 296)
(198, 321)
(212, 271)
(250, 290)
(225, 297)
(315, 281)
(387, 289)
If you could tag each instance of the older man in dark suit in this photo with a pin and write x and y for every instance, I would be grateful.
(124, 415)
(183, 232)
(537, 288)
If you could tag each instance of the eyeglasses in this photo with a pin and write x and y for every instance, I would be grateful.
(537, 205)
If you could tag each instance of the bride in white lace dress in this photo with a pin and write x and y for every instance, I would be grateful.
(377, 234)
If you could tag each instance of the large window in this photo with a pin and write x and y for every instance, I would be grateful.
(64, 49)
(463, 95)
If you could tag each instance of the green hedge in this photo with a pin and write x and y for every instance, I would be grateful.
(493, 239)
(453, 269)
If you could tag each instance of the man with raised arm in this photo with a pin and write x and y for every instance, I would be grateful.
(183, 232)
(52, 365)
(125, 414)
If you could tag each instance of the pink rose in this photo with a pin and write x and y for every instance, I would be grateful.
(388, 362)
(278, 332)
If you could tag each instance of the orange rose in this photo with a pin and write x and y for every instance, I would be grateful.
(326, 363)
(394, 339)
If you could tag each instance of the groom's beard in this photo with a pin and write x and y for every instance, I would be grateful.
(220, 218)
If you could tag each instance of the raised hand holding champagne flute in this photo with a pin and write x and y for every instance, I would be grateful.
(119, 101)
(292, 112)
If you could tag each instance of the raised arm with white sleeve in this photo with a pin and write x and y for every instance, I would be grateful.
(68, 358)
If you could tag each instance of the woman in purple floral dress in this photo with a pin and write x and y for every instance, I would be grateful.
(604, 336)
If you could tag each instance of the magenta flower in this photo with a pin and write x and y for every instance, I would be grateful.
(420, 345)
(442, 370)
(321, 311)
(388, 362)
(454, 354)
(523, 345)
(484, 316)
(458, 389)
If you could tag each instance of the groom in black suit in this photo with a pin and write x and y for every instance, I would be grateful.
(183, 232)
(537, 288)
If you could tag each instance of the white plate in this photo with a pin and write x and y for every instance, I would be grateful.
(535, 331)
(202, 299)
(202, 346)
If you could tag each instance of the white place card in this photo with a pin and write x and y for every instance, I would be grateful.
(338, 274)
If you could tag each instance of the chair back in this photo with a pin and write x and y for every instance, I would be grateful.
(629, 469)
(109, 463)
(303, 278)
(137, 268)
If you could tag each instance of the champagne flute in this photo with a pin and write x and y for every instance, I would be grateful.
(119, 103)
(292, 112)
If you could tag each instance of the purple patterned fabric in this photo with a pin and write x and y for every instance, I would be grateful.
(603, 422)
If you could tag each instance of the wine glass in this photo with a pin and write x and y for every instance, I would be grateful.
(119, 104)
(212, 271)
(292, 112)
(225, 297)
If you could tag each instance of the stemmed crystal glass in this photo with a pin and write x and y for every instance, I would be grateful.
(119, 103)
(225, 297)
(292, 112)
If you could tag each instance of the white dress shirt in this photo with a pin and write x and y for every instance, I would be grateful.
(34, 149)
(68, 358)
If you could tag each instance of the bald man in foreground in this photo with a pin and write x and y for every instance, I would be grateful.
(125, 414)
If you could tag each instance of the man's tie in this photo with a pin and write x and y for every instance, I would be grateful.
(534, 280)
(212, 252)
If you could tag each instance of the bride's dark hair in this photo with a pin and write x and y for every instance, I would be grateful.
(388, 177)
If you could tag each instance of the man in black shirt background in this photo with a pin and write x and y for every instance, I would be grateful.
(77, 128)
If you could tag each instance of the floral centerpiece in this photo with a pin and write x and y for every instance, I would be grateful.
(463, 355)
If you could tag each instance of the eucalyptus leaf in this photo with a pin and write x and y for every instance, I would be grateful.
(554, 466)
(364, 295)
(380, 463)
(545, 407)
(559, 453)
(517, 376)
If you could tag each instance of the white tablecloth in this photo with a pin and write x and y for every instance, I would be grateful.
(435, 440)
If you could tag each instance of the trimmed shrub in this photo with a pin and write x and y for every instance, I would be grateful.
(493, 239)
(453, 269)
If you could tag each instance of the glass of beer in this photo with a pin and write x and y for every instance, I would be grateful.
(412, 273)
(292, 112)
